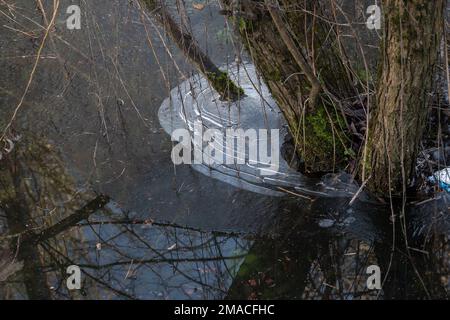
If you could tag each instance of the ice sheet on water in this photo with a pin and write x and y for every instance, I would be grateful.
(195, 101)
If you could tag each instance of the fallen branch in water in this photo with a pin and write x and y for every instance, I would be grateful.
(82, 214)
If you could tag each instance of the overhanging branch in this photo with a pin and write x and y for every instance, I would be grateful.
(218, 79)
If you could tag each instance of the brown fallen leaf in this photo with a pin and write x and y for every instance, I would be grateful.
(198, 6)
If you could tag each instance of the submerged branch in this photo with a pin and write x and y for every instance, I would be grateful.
(80, 215)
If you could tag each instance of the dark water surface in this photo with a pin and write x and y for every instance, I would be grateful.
(89, 127)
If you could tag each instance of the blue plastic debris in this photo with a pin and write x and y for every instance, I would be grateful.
(442, 177)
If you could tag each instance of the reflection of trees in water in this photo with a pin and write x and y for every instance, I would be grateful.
(305, 263)
(124, 256)
(140, 259)
(336, 269)
(53, 225)
(302, 269)
(35, 193)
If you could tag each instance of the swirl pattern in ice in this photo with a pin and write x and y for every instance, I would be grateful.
(194, 101)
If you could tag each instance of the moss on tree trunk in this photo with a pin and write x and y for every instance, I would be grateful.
(319, 132)
(218, 79)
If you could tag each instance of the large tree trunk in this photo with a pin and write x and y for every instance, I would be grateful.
(280, 40)
(413, 30)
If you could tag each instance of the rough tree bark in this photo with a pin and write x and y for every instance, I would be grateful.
(298, 56)
(411, 41)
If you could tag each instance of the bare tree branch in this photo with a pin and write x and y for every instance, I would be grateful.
(218, 79)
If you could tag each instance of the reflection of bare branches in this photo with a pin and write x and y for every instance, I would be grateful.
(48, 223)
(128, 220)
(113, 249)
(36, 192)
(72, 220)
(324, 267)
(123, 256)
(8, 266)
(188, 264)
